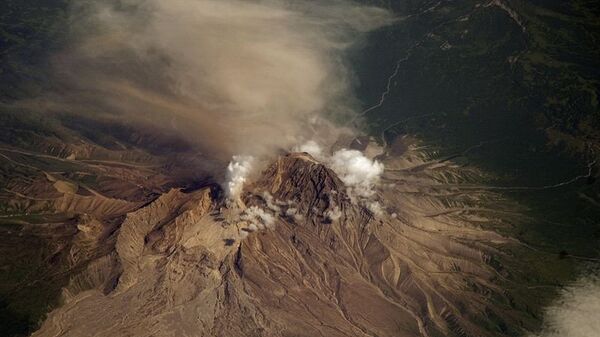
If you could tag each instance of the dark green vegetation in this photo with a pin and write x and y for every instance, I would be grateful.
(521, 62)
(31, 276)
(29, 32)
(510, 87)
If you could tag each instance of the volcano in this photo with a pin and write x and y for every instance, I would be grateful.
(189, 263)
(227, 168)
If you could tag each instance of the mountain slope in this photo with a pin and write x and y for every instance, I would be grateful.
(317, 264)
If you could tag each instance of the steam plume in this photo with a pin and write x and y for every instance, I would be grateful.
(237, 174)
(357, 172)
(311, 147)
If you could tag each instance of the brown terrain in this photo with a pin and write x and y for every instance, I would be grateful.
(134, 244)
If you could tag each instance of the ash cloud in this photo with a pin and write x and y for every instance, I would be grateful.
(233, 77)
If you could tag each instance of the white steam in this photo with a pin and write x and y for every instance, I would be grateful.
(272, 204)
(258, 218)
(576, 313)
(236, 175)
(359, 173)
(334, 214)
(311, 147)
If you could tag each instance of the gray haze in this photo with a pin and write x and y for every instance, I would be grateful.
(235, 77)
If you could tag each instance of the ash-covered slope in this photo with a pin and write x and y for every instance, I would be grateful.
(301, 260)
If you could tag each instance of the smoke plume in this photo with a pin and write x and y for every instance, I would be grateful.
(234, 77)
